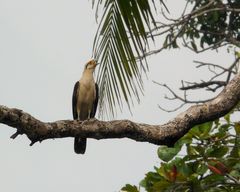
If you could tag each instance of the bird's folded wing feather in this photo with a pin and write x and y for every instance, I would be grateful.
(74, 100)
(94, 108)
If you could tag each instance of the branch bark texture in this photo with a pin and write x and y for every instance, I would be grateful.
(166, 134)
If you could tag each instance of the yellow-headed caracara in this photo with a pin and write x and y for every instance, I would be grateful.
(84, 101)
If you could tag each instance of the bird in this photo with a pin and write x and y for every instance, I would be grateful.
(84, 101)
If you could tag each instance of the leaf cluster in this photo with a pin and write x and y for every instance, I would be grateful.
(211, 23)
(211, 161)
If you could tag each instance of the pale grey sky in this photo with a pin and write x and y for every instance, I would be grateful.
(43, 48)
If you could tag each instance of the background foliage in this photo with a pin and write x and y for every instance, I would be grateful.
(211, 162)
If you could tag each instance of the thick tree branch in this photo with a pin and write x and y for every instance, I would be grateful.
(166, 134)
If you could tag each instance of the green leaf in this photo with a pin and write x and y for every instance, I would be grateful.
(235, 173)
(201, 131)
(205, 128)
(235, 152)
(186, 139)
(227, 117)
(224, 127)
(218, 151)
(237, 128)
(237, 53)
(153, 176)
(215, 16)
(184, 168)
(200, 149)
(166, 153)
(191, 150)
(201, 168)
(143, 183)
(161, 185)
(150, 179)
(212, 179)
(130, 188)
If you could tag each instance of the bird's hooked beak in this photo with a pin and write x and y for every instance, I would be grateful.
(92, 64)
(95, 62)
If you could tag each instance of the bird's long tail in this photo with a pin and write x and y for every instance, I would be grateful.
(80, 145)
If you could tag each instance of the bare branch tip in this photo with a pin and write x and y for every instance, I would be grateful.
(16, 134)
(32, 143)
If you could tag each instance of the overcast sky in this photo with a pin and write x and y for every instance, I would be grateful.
(44, 45)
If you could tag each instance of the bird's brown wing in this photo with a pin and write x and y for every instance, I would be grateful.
(95, 103)
(74, 100)
(79, 143)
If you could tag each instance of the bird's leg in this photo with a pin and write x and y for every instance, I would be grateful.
(89, 114)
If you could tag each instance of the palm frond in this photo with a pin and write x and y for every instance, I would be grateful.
(120, 38)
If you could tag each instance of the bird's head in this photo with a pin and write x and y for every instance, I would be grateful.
(91, 65)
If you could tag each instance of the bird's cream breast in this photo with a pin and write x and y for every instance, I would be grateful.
(86, 92)
(86, 95)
